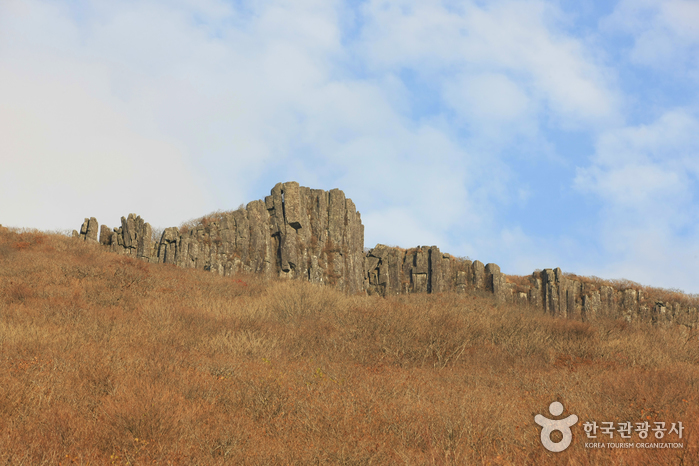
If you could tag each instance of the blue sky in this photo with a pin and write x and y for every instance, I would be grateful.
(531, 134)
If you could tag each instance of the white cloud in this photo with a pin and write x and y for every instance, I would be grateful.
(399, 227)
(491, 104)
(665, 31)
(516, 37)
(646, 178)
(174, 109)
(137, 106)
(523, 253)
(646, 167)
(490, 96)
(67, 152)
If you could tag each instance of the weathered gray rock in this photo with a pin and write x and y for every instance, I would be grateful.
(629, 304)
(550, 291)
(128, 231)
(609, 300)
(88, 230)
(536, 292)
(167, 250)
(83, 228)
(436, 265)
(92, 230)
(661, 313)
(574, 299)
(391, 270)
(591, 305)
(144, 241)
(495, 281)
(313, 235)
(260, 245)
(478, 274)
(295, 232)
(105, 236)
(292, 204)
(384, 270)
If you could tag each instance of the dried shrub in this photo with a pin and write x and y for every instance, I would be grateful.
(206, 220)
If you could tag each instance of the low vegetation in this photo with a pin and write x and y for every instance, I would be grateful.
(109, 360)
(215, 216)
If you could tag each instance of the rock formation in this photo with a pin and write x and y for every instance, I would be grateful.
(391, 270)
(295, 232)
(88, 230)
(314, 235)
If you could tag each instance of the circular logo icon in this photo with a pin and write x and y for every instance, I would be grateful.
(561, 425)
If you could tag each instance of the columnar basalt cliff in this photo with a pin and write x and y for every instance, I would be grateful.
(295, 232)
(391, 270)
(314, 235)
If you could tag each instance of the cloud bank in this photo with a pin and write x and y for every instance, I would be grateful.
(515, 132)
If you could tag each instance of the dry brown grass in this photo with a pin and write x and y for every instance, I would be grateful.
(215, 216)
(522, 283)
(108, 360)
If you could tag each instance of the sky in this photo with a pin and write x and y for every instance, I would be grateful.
(532, 134)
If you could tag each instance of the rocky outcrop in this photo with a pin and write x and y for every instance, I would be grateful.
(88, 230)
(571, 297)
(133, 238)
(295, 232)
(315, 235)
(392, 270)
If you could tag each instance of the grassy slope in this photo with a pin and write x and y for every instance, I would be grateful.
(106, 359)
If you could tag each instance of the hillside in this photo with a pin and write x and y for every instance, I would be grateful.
(109, 359)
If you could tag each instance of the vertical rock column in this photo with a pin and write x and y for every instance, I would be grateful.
(385, 271)
(167, 250)
(420, 269)
(609, 301)
(536, 291)
(134, 238)
(573, 291)
(318, 236)
(629, 304)
(353, 249)
(550, 291)
(478, 275)
(336, 225)
(444, 272)
(286, 234)
(591, 304)
(260, 240)
(105, 235)
(88, 230)
(462, 280)
(315, 233)
(495, 281)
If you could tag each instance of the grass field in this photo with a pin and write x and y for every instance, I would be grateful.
(109, 360)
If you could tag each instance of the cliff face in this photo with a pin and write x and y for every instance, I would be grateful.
(295, 232)
(315, 235)
(391, 270)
